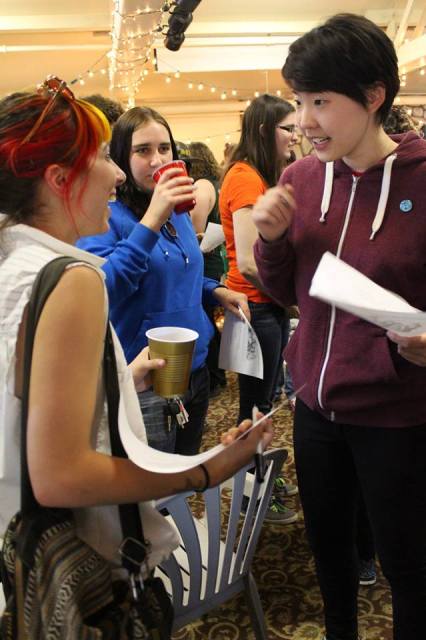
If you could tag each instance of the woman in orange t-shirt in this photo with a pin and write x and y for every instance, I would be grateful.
(268, 132)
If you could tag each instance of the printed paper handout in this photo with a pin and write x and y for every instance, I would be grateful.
(159, 462)
(213, 237)
(343, 286)
(239, 347)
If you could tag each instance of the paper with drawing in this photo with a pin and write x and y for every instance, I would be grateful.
(239, 347)
(343, 286)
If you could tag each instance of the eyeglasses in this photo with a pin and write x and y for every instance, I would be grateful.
(51, 88)
(290, 128)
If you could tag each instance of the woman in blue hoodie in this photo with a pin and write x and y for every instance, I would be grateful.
(154, 269)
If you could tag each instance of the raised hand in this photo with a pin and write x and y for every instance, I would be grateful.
(273, 212)
(171, 189)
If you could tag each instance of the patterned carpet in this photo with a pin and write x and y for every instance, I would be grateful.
(283, 566)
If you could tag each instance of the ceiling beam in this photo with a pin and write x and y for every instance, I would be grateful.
(402, 29)
(51, 22)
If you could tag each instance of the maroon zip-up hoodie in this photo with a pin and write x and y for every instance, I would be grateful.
(353, 373)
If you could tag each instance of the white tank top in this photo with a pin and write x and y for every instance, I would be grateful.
(23, 252)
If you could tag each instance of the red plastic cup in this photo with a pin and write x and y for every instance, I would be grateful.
(178, 164)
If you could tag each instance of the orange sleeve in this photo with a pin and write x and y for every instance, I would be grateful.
(243, 187)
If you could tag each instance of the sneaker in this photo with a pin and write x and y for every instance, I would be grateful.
(279, 513)
(283, 489)
(367, 572)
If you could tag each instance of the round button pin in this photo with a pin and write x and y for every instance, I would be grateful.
(405, 205)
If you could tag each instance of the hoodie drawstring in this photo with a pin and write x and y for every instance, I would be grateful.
(383, 200)
(384, 195)
(328, 187)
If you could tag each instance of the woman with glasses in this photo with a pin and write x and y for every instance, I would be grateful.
(154, 269)
(56, 178)
(267, 135)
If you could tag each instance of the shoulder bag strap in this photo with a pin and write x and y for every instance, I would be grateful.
(134, 548)
(43, 286)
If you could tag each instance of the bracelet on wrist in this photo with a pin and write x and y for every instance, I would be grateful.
(206, 484)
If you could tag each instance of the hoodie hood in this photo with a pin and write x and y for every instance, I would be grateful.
(411, 149)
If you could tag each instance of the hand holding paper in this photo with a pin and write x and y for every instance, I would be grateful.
(343, 286)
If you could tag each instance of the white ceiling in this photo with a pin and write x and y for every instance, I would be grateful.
(227, 43)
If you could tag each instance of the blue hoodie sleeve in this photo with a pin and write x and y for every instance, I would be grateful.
(127, 258)
(209, 285)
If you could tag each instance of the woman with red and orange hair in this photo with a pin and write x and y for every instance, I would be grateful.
(56, 177)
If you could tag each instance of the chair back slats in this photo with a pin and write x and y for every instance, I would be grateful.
(213, 515)
(171, 573)
(184, 521)
(232, 528)
(249, 526)
(247, 545)
(213, 561)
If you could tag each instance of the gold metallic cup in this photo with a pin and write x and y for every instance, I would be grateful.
(176, 346)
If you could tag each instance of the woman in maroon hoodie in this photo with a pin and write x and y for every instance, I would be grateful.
(361, 417)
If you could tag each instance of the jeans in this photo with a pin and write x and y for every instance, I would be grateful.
(267, 320)
(166, 435)
(332, 461)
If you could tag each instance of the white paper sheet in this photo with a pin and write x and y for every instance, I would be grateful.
(158, 461)
(213, 237)
(239, 347)
(343, 286)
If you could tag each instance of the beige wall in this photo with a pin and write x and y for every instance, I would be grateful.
(196, 126)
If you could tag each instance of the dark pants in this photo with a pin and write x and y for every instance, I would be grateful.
(166, 435)
(267, 320)
(364, 535)
(332, 461)
(217, 376)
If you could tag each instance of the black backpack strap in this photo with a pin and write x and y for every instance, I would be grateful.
(134, 547)
(134, 551)
(43, 286)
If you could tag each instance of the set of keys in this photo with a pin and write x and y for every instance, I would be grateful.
(177, 412)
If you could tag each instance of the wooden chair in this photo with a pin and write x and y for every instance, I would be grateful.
(213, 561)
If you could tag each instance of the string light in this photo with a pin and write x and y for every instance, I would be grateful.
(132, 42)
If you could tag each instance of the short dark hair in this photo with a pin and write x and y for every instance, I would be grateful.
(348, 54)
(257, 146)
(121, 143)
(111, 109)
